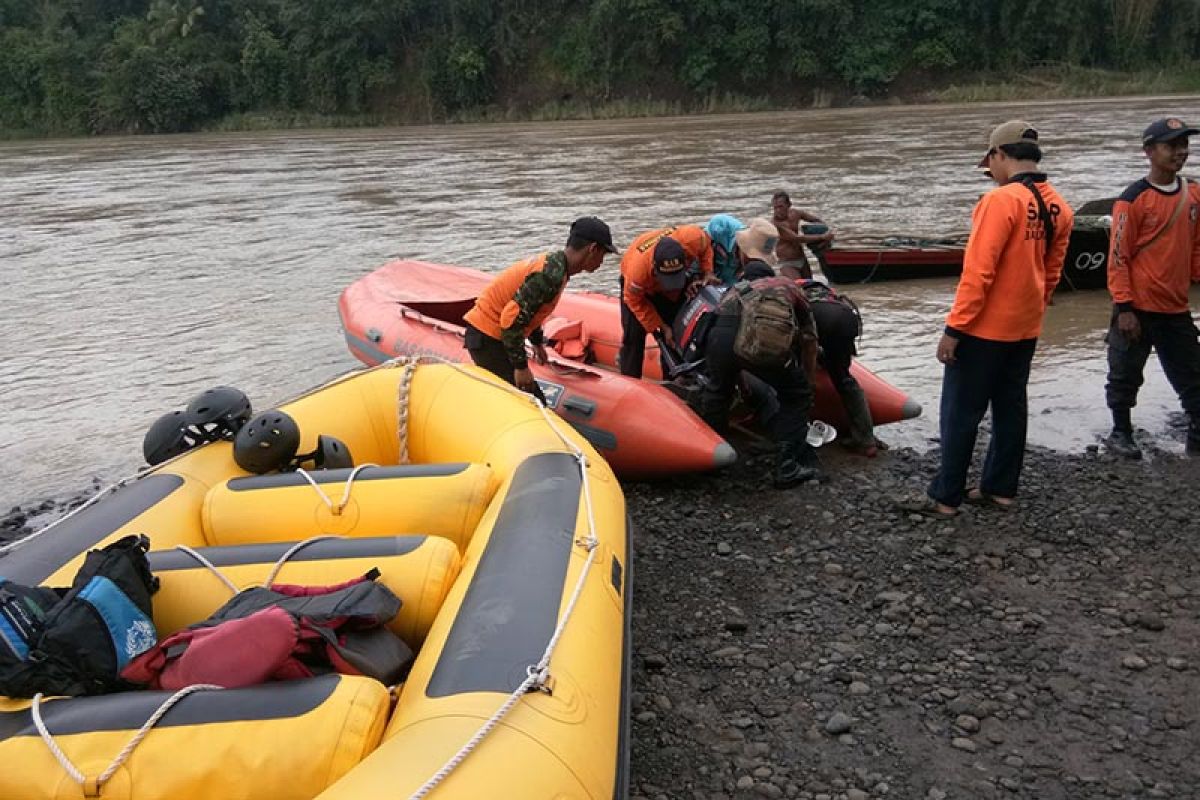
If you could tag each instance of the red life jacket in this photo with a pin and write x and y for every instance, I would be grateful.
(283, 633)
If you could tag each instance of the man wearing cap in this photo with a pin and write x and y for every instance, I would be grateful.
(1013, 261)
(519, 299)
(654, 276)
(1154, 257)
(795, 461)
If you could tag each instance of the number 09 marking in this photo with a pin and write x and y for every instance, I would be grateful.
(1090, 261)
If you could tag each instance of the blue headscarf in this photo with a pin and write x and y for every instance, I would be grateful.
(721, 229)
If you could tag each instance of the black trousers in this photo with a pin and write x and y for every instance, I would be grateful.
(837, 330)
(722, 367)
(490, 354)
(985, 372)
(633, 335)
(1175, 338)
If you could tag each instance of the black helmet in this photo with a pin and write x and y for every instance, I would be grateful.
(330, 453)
(267, 442)
(169, 436)
(219, 412)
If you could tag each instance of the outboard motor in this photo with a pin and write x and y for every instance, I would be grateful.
(693, 321)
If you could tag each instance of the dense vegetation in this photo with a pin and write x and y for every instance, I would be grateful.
(73, 66)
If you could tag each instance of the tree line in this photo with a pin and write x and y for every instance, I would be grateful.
(98, 66)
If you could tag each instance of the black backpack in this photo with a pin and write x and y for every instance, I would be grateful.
(76, 641)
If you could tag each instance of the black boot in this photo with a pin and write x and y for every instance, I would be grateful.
(1120, 443)
(1193, 438)
(862, 431)
(796, 462)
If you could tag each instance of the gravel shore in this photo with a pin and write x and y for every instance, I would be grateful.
(816, 643)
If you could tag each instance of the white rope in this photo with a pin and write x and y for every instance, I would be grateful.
(211, 566)
(336, 509)
(92, 786)
(271, 576)
(402, 410)
(10, 546)
(536, 674)
(296, 548)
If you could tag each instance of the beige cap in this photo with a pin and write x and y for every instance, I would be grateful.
(1011, 132)
(758, 240)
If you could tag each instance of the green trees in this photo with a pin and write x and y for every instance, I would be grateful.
(80, 66)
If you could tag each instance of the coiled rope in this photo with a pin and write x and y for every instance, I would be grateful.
(91, 786)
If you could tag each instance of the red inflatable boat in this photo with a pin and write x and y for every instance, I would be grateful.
(641, 428)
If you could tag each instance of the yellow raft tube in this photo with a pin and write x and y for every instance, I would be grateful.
(497, 518)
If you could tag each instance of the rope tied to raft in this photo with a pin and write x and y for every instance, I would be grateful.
(13, 545)
(275, 568)
(91, 786)
(334, 508)
(537, 676)
(404, 392)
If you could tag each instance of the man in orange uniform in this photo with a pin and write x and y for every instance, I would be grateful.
(654, 279)
(518, 301)
(1155, 254)
(1013, 261)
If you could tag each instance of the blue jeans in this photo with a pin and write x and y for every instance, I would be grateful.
(985, 373)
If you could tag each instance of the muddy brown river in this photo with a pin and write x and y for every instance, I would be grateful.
(139, 271)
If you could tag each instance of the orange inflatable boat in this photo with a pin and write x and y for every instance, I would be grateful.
(644, 430)
(640, 427)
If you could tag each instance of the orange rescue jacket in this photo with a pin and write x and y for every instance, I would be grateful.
(496, 308)
(637, 268)
(1147, 270)
(1008, 271)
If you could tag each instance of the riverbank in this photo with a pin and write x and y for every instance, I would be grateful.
(1052, 82)
(1047, 83)
(817, 644)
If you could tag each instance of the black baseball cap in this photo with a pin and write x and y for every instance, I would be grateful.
(593, 229)
(1166, 129)
(670, 262)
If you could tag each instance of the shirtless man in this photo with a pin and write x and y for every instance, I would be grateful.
(793, 263)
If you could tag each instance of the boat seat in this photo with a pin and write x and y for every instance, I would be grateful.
(286, 741)
(419, 569)
(444, 500)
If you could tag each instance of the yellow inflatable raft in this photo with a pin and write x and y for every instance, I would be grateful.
(501, 530)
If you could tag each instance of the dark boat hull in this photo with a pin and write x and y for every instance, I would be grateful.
(1085, 265)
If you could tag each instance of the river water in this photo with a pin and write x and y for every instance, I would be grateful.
(139, 271)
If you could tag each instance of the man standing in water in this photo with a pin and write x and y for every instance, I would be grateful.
(519, 299)
(1013, 261)
(793, 263)
(1154, 256)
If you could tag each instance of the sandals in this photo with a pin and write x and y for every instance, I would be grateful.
(977, 497)
(926, 507)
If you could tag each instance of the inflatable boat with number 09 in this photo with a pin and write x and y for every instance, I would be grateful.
(498, 526)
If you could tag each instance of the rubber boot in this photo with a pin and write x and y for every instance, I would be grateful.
(795, 463)
(862, 429)
(1120, 443)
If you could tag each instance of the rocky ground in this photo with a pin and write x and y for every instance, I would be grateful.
(816, 643)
